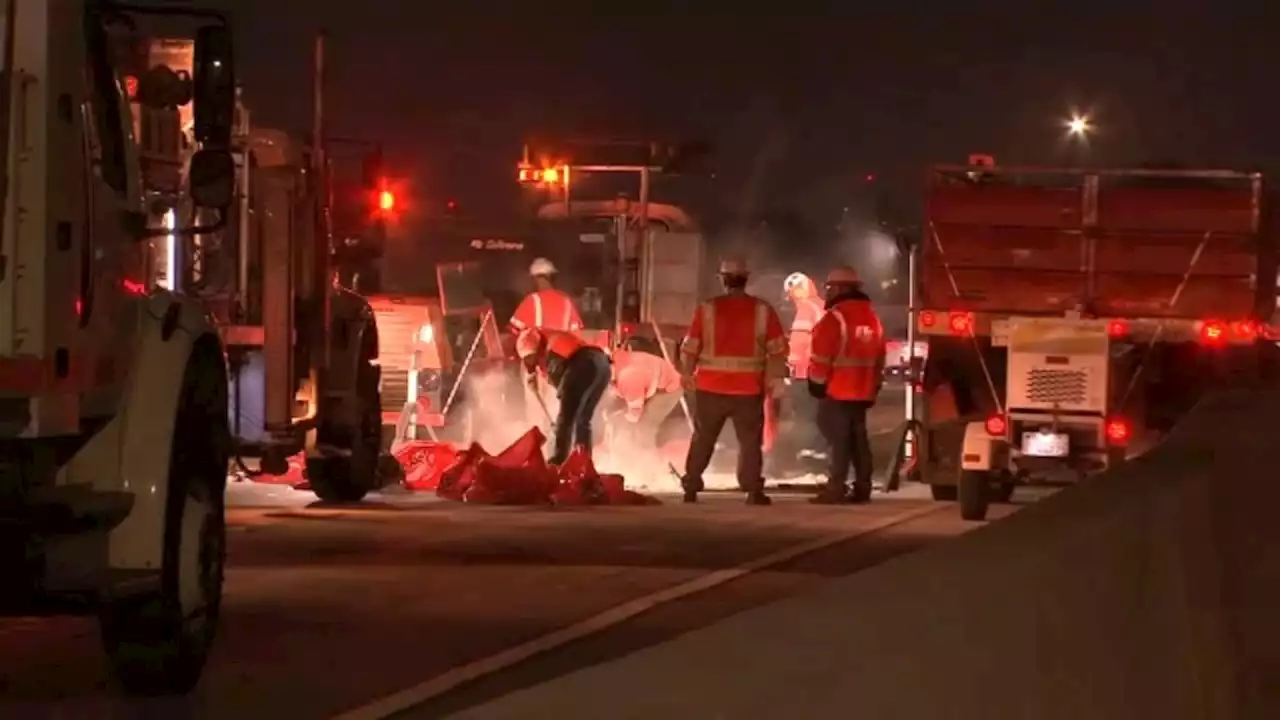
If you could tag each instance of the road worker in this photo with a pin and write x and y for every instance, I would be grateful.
(578, 371)
(734, 356)
(846, 373)
(650, 387)
(549, 308)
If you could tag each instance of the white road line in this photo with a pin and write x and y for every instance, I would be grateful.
(430, 689)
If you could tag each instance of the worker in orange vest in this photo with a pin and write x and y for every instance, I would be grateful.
(578, 371)
(734, 355)
(546, 307)
(650, 387)
(846, 373)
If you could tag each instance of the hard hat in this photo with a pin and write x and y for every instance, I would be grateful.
(843, 275)
(795, 282)
(733, 267)
(542, 266)
(528, 342)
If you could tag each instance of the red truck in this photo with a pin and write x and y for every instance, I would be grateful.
(1178, 266)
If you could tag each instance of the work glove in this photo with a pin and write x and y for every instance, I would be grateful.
(817, 390)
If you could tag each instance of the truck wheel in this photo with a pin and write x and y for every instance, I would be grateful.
(974, 494)
(943, 493)
(157, 643)
(348, 478)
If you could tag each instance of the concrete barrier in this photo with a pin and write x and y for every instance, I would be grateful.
(1150, 592)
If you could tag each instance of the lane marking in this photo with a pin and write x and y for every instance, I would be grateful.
(410, 697)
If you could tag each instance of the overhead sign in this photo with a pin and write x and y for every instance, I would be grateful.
(497, 245)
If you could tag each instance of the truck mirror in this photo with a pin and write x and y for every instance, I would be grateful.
(214, 91)
(212, 178)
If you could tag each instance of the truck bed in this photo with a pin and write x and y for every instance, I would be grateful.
(1151, 244)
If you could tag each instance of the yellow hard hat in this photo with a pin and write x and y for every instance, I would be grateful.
(843, 275)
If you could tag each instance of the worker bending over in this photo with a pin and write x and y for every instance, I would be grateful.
(650, 386)
(548, 308)
(846, 372)
(578, 371)
(735, 352)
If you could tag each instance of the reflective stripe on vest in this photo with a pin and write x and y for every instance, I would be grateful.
(538, 313)
(708, 358)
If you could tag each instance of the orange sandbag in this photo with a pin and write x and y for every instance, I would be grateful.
(295, 477)
(458, 478)
(424, 462)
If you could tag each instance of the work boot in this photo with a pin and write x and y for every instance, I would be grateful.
(692, 486)
(757, 497)
(831, 495)
(861, 494)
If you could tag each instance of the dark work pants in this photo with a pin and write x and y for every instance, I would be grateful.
(586, 375)
(844, 425)
(710, 412)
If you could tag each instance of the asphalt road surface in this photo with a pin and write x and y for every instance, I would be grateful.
(422, 607)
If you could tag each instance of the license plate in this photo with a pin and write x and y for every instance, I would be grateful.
(1045, 444)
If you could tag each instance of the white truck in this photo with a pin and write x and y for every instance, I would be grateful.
(113, 394)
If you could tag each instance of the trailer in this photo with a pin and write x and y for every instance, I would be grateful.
(1071, 314)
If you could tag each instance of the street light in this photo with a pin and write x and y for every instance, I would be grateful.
(1079, 126)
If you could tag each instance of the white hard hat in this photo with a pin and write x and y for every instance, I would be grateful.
(733, 266)
(542, 266)
(795, 280)
(843, 275)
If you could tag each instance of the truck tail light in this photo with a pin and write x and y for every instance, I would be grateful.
(996, 425)
(1213, 332)
(1117, 329)
(1118, 432)
(961, 323)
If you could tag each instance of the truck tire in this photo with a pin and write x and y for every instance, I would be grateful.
(157, 642)
(974, 494)
(348, 478)
(944, 493)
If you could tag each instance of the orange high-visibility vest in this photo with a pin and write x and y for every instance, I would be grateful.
(848, 351)
(808, 313)
(733, 338)
(638, 376)
(549, 308)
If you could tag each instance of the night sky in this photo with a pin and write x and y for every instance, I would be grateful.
(802, 102)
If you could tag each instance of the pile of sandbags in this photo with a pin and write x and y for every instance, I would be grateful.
(519, 475)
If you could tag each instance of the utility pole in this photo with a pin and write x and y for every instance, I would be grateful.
(322, 280)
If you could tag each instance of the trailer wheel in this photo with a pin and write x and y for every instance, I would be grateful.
(157, 642)
(943, 493)
(974, 494)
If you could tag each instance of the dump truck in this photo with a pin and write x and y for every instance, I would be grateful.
(1074, 314)
(114, 431)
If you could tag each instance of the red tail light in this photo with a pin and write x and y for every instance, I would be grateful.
(960, 323)
(1118, 432)
(1212, 332)
(1118, 328)
(996, 425)
(927, 319)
